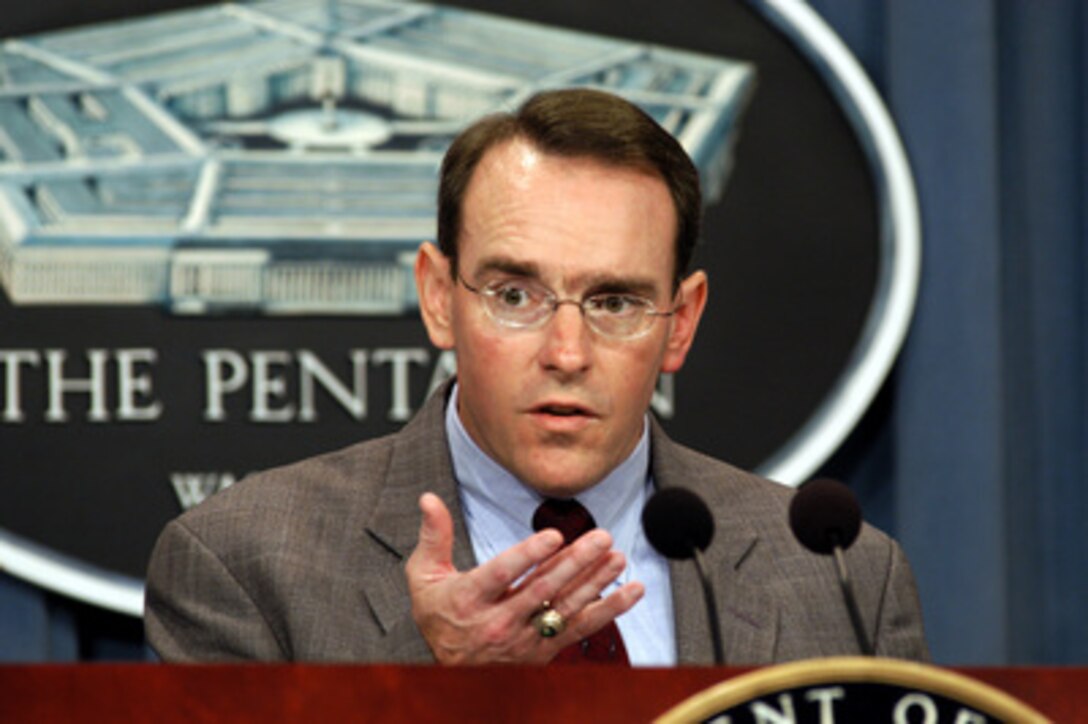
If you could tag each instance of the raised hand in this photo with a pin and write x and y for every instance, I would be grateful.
(481, 616)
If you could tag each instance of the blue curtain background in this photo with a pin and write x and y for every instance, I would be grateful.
(974, 453)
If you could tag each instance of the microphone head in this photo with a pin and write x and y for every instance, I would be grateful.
(823, 514)
(677, 522)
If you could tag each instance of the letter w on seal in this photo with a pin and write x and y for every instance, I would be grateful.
(193, 488)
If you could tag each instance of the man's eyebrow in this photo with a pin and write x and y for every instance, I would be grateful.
(590, 283)
(611, 283)
(506, 265)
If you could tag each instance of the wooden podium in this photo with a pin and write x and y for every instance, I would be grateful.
(118, 693)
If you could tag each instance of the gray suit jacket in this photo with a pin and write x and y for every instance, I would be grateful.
(306, 562)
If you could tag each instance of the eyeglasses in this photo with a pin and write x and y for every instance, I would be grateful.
(524, 304)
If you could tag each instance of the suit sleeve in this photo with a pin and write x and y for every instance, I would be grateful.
(195, 609)
(899, 630)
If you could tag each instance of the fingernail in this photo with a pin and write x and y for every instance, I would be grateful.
(600, 539)
(552, 538)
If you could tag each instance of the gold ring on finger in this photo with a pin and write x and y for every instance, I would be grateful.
(549, 623)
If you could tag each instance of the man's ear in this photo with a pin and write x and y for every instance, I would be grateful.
(689, 310)
(435, 289)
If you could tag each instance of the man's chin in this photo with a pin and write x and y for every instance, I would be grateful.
(562, 481)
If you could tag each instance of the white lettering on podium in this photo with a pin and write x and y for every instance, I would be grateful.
(825, 699)
(901, 713)
(912, 708)
(765, 714)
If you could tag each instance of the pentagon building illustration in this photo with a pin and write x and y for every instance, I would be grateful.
(281, 157)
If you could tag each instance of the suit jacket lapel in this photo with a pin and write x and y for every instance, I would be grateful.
(419, 462)
(748, 616)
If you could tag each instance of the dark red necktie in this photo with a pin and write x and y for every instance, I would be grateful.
(572, 519)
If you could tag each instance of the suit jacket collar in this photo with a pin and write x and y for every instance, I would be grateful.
(747, 614)
(419, 462)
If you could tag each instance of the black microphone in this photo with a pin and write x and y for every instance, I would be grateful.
(826, 518)
(679, 525)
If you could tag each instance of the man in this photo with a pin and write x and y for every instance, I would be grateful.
(565, 231)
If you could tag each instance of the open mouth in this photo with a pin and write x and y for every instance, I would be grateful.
(562, 410)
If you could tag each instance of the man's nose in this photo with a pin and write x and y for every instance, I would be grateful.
(567, 339)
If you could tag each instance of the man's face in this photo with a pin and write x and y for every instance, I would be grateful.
(559, 406)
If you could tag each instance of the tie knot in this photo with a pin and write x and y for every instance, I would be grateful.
(569, 517)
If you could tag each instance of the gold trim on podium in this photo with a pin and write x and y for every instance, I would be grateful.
(912, 676)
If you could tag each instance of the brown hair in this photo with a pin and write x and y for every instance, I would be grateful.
(576, 123)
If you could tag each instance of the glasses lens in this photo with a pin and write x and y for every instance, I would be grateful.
(517, 304)
(619, 316)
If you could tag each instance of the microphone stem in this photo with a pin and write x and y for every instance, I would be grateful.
(852, 604)
(711, 607)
